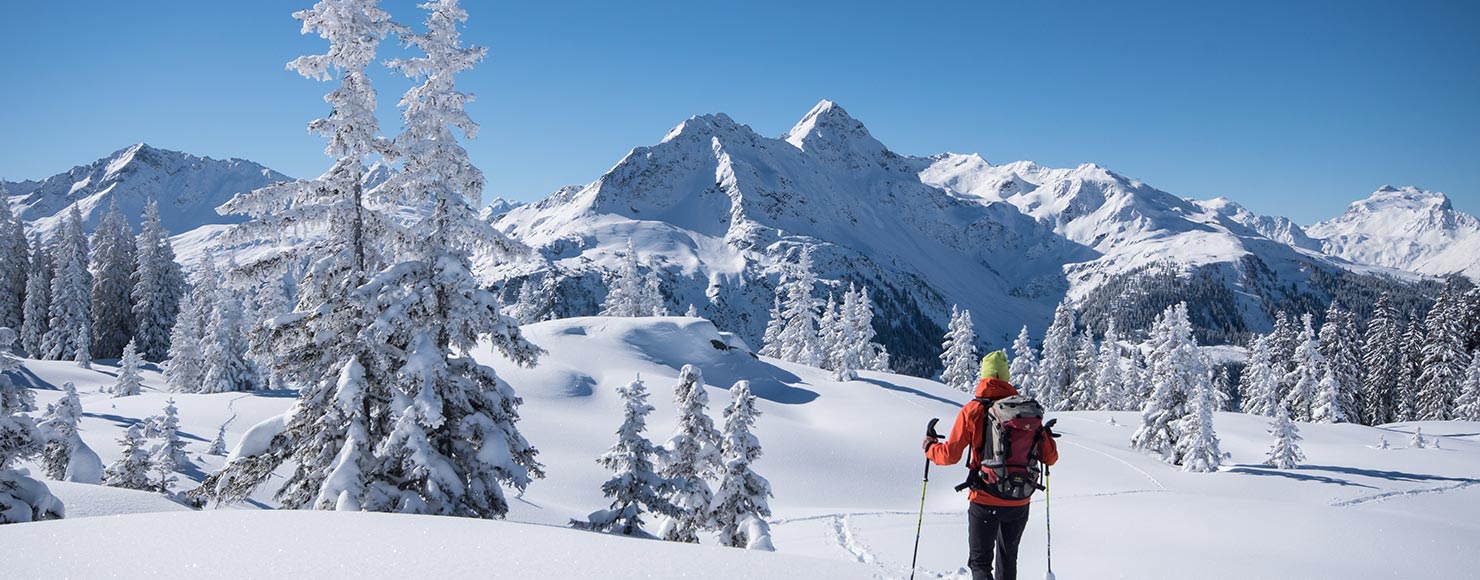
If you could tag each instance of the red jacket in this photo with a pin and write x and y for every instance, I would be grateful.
(967, 432)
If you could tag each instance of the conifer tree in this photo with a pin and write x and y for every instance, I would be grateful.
(1056, 370)
(1260, 381)
(37, 306)
(1024, 367)
(1467, 405)
(1327, 406)
(1197, 443)
(269, 302)
(1109, 375)
(158, 286)
(1083, 392)
(22, 498)
(218, 445)
(740, 505)
(652, 295)
(169, 455)
(224, 348)
(1342, 347)
(1283, 342)
(692, 457)
(870, 355)
(1444, 357)
(1285, 452)
(15, 265)
(1406, 397)
(1178, 372)
(131, 470)
(626, 294)
(1417, 441)
(1382, 364)
(831, 339)
(184, 369)
(113, 262)
(799, 338)
(771, 339)
(69, 332)
(1306, 378)
(958, 353)
(634, 487)
(129, 382)
(59, 427)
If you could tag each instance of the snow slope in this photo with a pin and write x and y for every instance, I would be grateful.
(1407, 228)
(844, 461)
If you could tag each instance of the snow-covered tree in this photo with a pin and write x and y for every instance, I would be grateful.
(831, 335)
(1282, 344)
(693, 456)
(691, 312)
(131, 470)
(859, 314)
(740, 504)
(652, 295)
(1109, 374)
(1259, 383)
(1382, 363)
(1285, 452)
(1179, 372)
(168, 456)
(59, 427)
(268, 303)
(1056, 368)
(1341, 345)
(626, 294)
(224, 344)
(958, 352)
(1467, 406)
(184, 369)
(1306, 377)
(113, 262)
(15, 264)
(634, 487)
(1417, 441)
(69, 332)
(37, 306)
(22, 498)
(1327, 404)
(158, 286)
(1197, 441)
(218, 445)
(1084, 389)
(1411, 365)
(1445, 356)
(771, 339)
(1382, 442)
(799, 342)
(129, 381)
(1024, 367)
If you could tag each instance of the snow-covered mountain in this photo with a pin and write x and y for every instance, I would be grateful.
(720, 209)
(188, 188)
(1407, 228)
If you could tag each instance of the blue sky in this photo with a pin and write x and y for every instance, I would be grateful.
(1291, 108)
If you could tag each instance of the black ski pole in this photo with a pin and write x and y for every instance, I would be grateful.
(919, 524)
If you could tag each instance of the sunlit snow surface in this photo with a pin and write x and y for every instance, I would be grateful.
(844, 461)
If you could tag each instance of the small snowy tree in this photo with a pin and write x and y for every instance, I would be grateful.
(798, 338)
(1260, 381)
(22, 499)
(158, 286)
(130, 382)
(691, 312)
(37, 306)
(1306, 378)
(1285, 453)
(626, 294)
(169, 455)
(740, 503)
(693, 457)
(1467, 406)
(958, 353)
(1024, 367)
(830, 335)
(634, 487)
(771, 339)
(1382, 442)
(652, 295)
(113, 263)
(1417, 441)
(218, 445)
(1109, 374)
(131, 470)
(1328, 407)
(1197, 442)
(69, 332)
(59, 426)
(1180, 374)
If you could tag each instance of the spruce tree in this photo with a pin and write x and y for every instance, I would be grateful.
(131, 470)
(15, 265)
(1342, 348)
(771, 339)
(1306, 377)
(113, 262)
(692, 458)
(158, 286)
(651, 303)
(268, 303)
(634, 487)
(22, 499)
(184, 369)
(59, 427)
(224, 345)
(1109, 375)
(1285, 452)
(1178, 372)
(1382, 363)
(69, 332)
(740, 506)
(218, 445)
(1417, 441)
(958, 353)
(1444, 356)
(168, 456)
(831, 339)
(1024, 367)
(37, 306)
(871, 355)
(799, 338)
(1056, 370)
(1407, 391)
(1327, 405)
(1259, 384)
(626, 293)
(1283, 342)
(1084, 388)
(1467, 405)
(1197, 442)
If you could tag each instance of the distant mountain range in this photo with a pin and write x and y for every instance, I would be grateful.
(721, 210)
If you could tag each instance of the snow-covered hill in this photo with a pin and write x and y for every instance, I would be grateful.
(844, 461)
(1406, 228)
(187, 187)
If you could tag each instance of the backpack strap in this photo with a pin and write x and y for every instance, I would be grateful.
(982, 448)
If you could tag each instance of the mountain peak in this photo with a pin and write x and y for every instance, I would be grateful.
(706, 125)
(1407, 197)
(827, 128)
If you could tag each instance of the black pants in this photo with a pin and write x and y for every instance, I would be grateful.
(989, 526)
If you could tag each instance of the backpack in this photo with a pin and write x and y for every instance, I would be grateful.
(1009, 467)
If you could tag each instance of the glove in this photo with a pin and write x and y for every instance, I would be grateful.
(928, 442)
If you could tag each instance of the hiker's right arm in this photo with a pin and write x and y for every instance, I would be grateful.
(949, 452)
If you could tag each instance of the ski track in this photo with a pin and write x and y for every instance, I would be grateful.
(1157, 482)
(1391, 495)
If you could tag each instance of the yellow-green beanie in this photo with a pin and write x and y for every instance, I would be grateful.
(994, 365)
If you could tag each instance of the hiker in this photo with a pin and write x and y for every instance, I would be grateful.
(999, 510)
